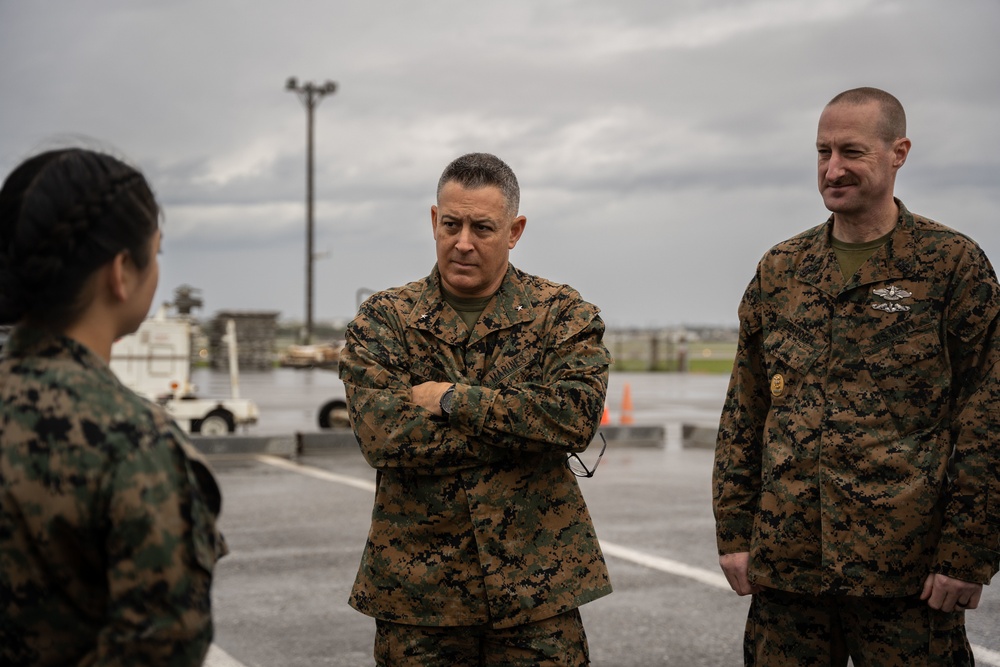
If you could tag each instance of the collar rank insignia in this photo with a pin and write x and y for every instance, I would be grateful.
(892, 295)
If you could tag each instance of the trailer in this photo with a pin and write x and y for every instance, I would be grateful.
(155, 362)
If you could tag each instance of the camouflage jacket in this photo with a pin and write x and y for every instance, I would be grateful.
(477, 518)
(107, 517)
(858, 446)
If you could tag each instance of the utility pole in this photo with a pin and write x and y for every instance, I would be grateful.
(310, 94)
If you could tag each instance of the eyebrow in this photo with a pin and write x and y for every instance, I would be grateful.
(448, 216)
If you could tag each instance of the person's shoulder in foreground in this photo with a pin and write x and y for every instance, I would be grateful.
(108, 518)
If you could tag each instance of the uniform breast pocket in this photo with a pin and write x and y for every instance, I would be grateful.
(788, 359)
(912, 373)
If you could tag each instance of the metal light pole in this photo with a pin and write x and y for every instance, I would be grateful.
(310, 94)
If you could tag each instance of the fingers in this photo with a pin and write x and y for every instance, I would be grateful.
(928, 587)
(948, 594)
(971, 603)
(736, 567)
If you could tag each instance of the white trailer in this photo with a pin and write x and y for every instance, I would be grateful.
(155, 362)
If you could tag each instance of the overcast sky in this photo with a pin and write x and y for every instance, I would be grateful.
(662, 147)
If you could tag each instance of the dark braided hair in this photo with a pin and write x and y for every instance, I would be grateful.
(64, 214)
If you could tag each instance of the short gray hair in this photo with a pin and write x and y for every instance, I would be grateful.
(892, 125)
(480, 170)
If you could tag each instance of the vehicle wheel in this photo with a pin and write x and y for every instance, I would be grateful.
(334, 415)
(218, 422)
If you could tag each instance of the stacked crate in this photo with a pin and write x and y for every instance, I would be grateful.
(255, 336)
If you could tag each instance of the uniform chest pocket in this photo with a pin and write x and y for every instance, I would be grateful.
(912, 373)
(787, 360)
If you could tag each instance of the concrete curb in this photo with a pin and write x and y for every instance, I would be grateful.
(245, 444)
(634, 435)
(699, 436)
(324, 442)
(336, 439)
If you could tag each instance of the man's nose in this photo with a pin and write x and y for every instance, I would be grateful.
(834, 167)
(464, 242)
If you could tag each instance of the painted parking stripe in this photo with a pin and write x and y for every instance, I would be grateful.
(318, 473)
(665, 565)
(983, 655)
(218, 658)
(986, 656)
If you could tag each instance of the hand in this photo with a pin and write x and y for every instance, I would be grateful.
(947, 594)
(736, 567)
(428, 395)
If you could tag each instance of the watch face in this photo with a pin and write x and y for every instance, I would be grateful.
(446, 400)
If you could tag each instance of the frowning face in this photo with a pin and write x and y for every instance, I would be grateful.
(474, 234)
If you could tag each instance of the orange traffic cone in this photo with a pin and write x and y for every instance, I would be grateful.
(606, 419)
(627, 405)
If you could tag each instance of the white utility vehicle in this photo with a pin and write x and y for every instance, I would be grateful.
(155, 361)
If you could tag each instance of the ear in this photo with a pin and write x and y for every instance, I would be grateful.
(516, 229)
(900, 149)
(118, 276)
(434, 220)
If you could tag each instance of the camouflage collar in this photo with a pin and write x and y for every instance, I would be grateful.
(509, 306)
(26, 341)
(893, 261)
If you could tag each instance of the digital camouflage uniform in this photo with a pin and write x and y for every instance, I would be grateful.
(477, 518)
(559, 641)
(857, 451)
(107, 517)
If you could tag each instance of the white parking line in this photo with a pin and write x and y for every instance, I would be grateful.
(983, 655)
(218, 658)
(986, 656)
(665, 565)
(318, 473)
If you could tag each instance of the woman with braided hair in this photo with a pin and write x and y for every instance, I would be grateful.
(108, 535)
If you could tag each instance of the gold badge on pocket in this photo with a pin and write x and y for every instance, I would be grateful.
(777, 385)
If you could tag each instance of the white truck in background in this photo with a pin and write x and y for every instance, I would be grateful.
(155, 362)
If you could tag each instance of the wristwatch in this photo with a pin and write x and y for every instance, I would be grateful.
(446, 400)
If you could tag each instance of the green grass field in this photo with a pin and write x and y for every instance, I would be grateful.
(701, 358)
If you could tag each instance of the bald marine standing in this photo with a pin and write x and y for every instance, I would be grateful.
(857, 472)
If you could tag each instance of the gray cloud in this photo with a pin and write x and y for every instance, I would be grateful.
(661, 147)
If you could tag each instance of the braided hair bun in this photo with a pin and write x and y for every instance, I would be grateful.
(64, 214)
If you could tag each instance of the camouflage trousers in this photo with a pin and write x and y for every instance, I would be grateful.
(789, 629)
(554, 642)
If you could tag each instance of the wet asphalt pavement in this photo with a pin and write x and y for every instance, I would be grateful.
(281, 596)
(296, 535)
